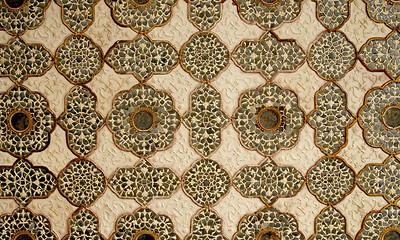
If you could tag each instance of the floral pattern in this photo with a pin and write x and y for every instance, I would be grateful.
(144, 222)
(206, 182)
(331, 118)
(268, 222)
(204, 56)
(142, 57)
(16, 20)
(333, 13)
(158, 120)
(206, 225)
(382, 54)
(19, 60)
(144, 182)
(23, 182)
(377, 224)
(381, 179)
(268, 181)
(332, 55)
(269, 55)
(330, 224)
(268, 119)
(23, 222)
(79, 59)
(384, 11)
(81, 182)
(81, 121)
(378, 117)
(205, 119)
(77, 15)
(268, 14)
(26, 122)
(204, 14)
(83, 224)
(330, 180)
(141, 17)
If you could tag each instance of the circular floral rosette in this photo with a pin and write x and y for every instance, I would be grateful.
(268, 119)
(379, 117)
(18, 16)
(26, 122)
(143, 120)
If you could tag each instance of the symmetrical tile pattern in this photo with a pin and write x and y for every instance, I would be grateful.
(204, 14)
(83, 224)
(384, 11)
(77, 21)
(333, 13)
(330, 224)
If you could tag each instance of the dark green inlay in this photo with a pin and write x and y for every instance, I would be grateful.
(20, 121)
(141, 2)
(146, 236)
(269, 1)
(24, 236)
(268, 119)
(15, 3)
(391, 117)
(392, 235)
(143, 120)
(269, 236)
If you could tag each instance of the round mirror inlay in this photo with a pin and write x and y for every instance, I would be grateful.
(391, 117)
(269, 2)
(391, 235)
(20, 121)
(143, 119)
(14, 4)
(145, 236)
(23, 236)
(268, 235)
(268, 119)
(141, 3)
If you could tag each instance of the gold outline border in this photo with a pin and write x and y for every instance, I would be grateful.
(385, 125)
(355, 119)
(15, 111)
(259, 40)
(24, 4)
(340, 25)
(137, 5)
(268, 230)
(273, 110)
(221, 3)
(346, 194)
(142, 109)
(367, 8)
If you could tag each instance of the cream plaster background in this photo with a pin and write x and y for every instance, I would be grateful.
(231, 83)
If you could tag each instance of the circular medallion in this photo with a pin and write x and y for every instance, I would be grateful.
(146, 236)
(15, 4)
(392, 234)
(391, 117)
(23, 236)
(268, 235)
(141, 3)
(143, 119)
(269, 2)
(20, 121)
(392, 2)
(269, 119)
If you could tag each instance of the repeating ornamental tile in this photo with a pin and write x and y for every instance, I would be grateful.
(144, 224)
(330, 180)
(331, 118)
(330, 224)
(269, 55)
(268, 181)
(384, 11)
(382, 54)
(83, 224)
(141, 15)
(142, 57)
(20, 60)
(333, 13)
(379, 117)
(332, 55)
(143, 120)
(205, 119)
(23, 182)
(268, 223)
(144, 182)
(81, 182)
(268, 14)
(79, 59)
(204, 56)
(268, 119)
(81, 121)
(18, 16)
(77, 15)
(24, 224)
(26, 122)
(383, 224)
(206, 182)
(206, 225)
(381, 179)
(204, 14)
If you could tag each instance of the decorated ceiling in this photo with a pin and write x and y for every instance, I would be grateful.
(199, 119)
